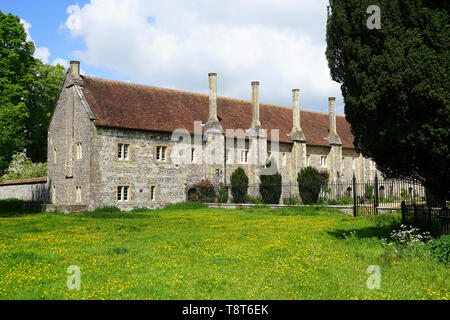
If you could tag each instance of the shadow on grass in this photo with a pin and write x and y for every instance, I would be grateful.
(15, 208)
(383, 227)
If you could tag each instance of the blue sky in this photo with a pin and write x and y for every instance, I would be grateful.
(47, 18)
(174, 44)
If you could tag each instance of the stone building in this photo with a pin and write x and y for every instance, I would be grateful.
(111, 143)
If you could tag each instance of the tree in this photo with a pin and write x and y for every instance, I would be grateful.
(43, 92)
(310, 181)
(239, 185)
(396, 86)
(16, 60)
(270, 187)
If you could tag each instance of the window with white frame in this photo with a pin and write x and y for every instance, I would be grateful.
(161, 153)
(308, 160)
(123, 193)
(153, 190)
(79, 151)
(78, 194)
(244, 156)
(123, 151)
(323, 161)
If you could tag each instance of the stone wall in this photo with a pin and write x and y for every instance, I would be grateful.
(28, 190)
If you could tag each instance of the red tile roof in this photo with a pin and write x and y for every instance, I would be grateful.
(132, 106)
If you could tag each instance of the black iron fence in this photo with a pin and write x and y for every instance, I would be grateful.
(363, 197)
(434, 220)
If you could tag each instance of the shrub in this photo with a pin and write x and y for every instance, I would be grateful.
(202, 191)
(310, 181)
(223, 195)
(292, 201)
(440, 249)
(239, 185)
(21, 167)
(270, 188)
(368, 192)
(255, 200)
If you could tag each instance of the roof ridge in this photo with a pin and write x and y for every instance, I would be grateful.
(200, 94)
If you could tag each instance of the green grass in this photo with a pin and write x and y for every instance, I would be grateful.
(192, 252)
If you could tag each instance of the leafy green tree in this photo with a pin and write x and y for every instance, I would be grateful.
(396, 86)
(43, 92)
(239, 185)
(16, 61)
(270, 188)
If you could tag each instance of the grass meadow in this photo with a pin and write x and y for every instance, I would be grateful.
(192, 252)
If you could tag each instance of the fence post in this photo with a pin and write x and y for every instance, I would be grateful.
(354, 195)
(403, 206)
(376, 190)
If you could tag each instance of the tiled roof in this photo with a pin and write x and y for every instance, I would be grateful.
(132, 106)
(24, 181)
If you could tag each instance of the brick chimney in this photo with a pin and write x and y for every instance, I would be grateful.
(333, 137)
(256, 124)
(75, 69)
(296, 133)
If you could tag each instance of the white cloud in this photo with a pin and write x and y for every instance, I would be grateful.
(62, 62)
(41, 53)
(176, 43)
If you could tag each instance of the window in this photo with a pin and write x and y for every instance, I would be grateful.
(123, 193)
(54, 155)
(153, 190)
(354, 163)
(79, 151)
(54, 194)
(161, 153)
(192, 155)
(308, 160)
(323, 161)
(284, 157)
(244, 156)
(343, 162)
(227, 155)
(78, 194)
(123, 151)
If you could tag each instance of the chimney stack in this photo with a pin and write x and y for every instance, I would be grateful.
(212, 97)
(333, 137)
(75, 69)
(297, 133)
(256, 124)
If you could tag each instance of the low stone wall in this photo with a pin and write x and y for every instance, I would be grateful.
(35, 189)
(346, 209)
